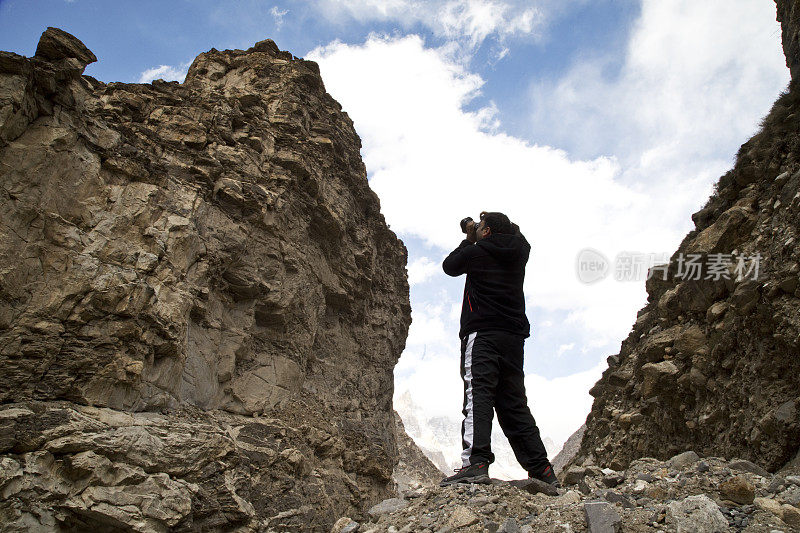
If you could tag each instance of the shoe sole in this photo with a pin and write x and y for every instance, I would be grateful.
(483, 478)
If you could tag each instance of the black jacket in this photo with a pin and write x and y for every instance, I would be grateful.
(495, 269)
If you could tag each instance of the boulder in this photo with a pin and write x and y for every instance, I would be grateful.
(601, 517)
(696, 514)
(56, 44)
(683, 460)
(737, 489)
(345, 525)
(656, 377)
(462, 517)
(691, 341)
(509, 526)
(535, 486)
(727, 231)
(747, 466)
(574, 475)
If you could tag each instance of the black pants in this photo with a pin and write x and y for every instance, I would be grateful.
(491, 367)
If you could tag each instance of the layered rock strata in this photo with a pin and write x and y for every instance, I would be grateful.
(200, 302)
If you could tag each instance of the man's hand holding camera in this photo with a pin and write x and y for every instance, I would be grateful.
(470, 227)
(471, 231)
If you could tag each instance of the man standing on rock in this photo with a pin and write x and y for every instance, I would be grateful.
(493, 332)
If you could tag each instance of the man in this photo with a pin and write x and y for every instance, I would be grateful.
(493, 332)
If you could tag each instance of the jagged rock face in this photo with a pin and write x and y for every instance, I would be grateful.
(210, 248)
(712, 365)
(789, 17)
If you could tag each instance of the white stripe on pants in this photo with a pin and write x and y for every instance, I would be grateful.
(469, 425)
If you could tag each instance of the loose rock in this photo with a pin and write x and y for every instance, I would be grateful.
(738, 490)
(462, 517)
(601, 517)
(345, 525)
(389, 505)
(696, 514)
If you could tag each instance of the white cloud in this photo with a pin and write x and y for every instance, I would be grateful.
(429, 366)
(695, 78)
(165, 72)
(422, 269)
(428, 326)
(501, 53)
(468, 22)
(692, 85)
(425, 151)
(278, 15)
(564, 348)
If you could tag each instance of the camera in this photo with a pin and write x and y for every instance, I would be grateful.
(464, 222)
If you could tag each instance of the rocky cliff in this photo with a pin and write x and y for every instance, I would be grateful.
(712, 363)
(200, 303)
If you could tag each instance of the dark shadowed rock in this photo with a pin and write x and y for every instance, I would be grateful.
(789, 15)
(56, 44)
(535, 486)
(748, 466)
(509, 526)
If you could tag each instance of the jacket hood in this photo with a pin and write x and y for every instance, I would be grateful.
(506, 247)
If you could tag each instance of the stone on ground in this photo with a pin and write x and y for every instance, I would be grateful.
(389, 505)
(696, 514)
(462, 517)
(345, 525)
(601, 517)
(738, 490)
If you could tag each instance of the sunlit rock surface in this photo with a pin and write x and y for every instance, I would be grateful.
(201, 304)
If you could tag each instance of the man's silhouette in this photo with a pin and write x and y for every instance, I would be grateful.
(493, 332)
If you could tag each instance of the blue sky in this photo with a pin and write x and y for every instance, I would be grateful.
(596, 124)
(130, 37)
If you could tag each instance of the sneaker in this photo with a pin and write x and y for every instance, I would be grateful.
(477, 473)
(547, 475)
